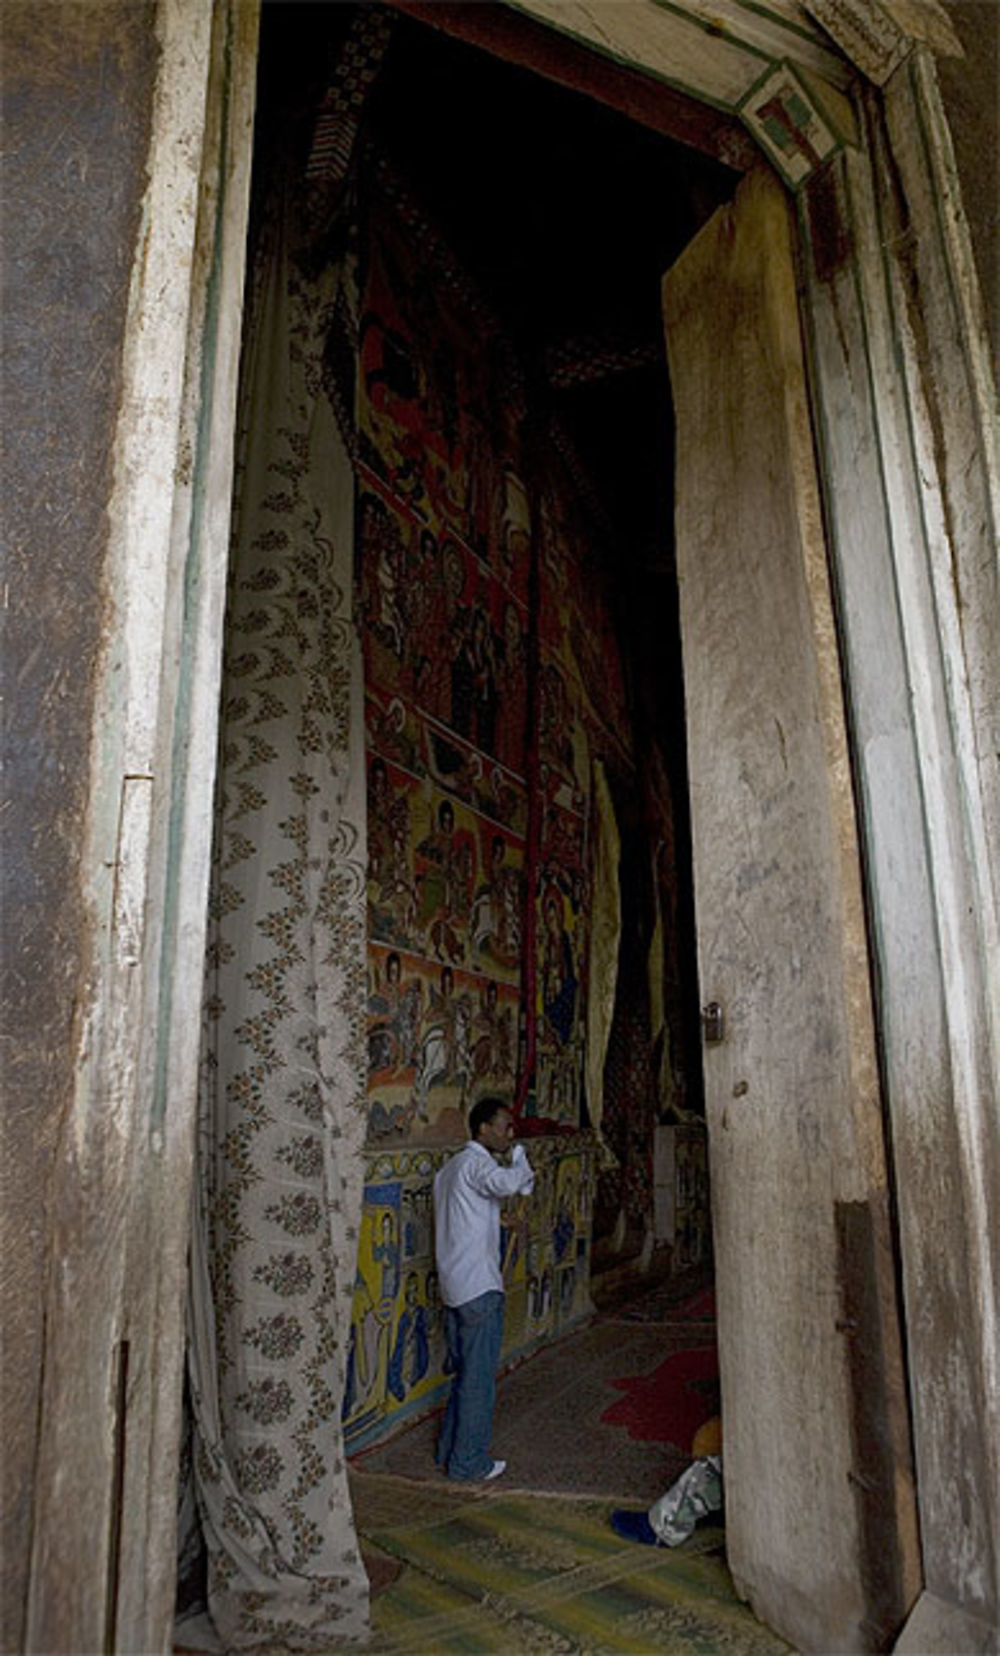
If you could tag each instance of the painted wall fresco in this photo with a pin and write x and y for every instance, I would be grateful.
(443, 570)
(396, 1355)
(479, 775)
(582, 717)
(493, 681)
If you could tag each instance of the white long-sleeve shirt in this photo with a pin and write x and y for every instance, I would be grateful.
(468, 1192)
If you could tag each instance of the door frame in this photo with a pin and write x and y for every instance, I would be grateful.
(809, 1317)
(899, 361)
(899, 369)
(103, 1550)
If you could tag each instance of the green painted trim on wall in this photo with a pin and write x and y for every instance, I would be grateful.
(815, 36)
(714, 31)
(696, 93)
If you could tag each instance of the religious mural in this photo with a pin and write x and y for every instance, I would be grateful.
(582, 717)
(440, 398)
(396, 1353)
(484, 714)
(443, 564)
(434, 1029)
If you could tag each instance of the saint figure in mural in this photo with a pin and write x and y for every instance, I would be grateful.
(438, 847)
(445, 881)
(559, 980)
(545, 1295)
(435, 1325)
(409, 1361)
(473, 683)
(448, 617)
(555, 721)
(390, 733)
(564, 1224)
(445, 1057)
(496, 909)
(394, 389)
(384, 602)
(385, 1253)
(391, 895)
(363, 1351)
(416, 1221)
(479, 463)
(512, 686)
(492, 1037)
(533, 1299)
(515, 524)
(394, 1020)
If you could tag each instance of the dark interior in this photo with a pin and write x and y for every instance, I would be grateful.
(566, 214)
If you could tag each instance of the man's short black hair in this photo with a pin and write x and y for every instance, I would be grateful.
(485, 1111)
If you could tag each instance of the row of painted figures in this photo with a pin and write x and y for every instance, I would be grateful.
(431, 1035)
(387, 1362)
(449, 892)
(397, 1342)
(441, 633)
(453, 1033)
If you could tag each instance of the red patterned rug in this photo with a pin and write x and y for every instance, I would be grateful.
(560, 1415)
(669, 1404)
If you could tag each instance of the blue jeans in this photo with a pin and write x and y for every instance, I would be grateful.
(474, 1332)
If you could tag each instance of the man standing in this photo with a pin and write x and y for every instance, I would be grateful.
(468, 1192)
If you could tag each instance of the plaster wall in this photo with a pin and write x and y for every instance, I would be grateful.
(78, 92)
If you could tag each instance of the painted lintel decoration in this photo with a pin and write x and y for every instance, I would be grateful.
(865, 33)
(785, 117)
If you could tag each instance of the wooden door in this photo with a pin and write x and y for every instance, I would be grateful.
(820, 1512)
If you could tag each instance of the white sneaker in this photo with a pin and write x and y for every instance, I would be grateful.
(495, 1471)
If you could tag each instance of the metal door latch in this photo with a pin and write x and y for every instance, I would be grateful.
(713, 1021)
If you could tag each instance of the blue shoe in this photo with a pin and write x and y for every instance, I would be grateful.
(633, 1526)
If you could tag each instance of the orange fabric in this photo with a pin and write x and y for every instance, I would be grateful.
(707, 1439)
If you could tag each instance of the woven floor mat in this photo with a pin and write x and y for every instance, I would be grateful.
(522, 1573)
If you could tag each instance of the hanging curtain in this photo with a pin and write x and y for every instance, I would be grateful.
(605, 935)
(282, 1107)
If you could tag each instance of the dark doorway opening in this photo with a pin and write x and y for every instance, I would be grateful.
(567, 214)
(563, 214)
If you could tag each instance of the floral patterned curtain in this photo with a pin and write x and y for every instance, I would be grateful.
(282, 1109)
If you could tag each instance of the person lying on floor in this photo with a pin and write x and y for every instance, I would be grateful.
(696, 1494)
(468, 1193)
